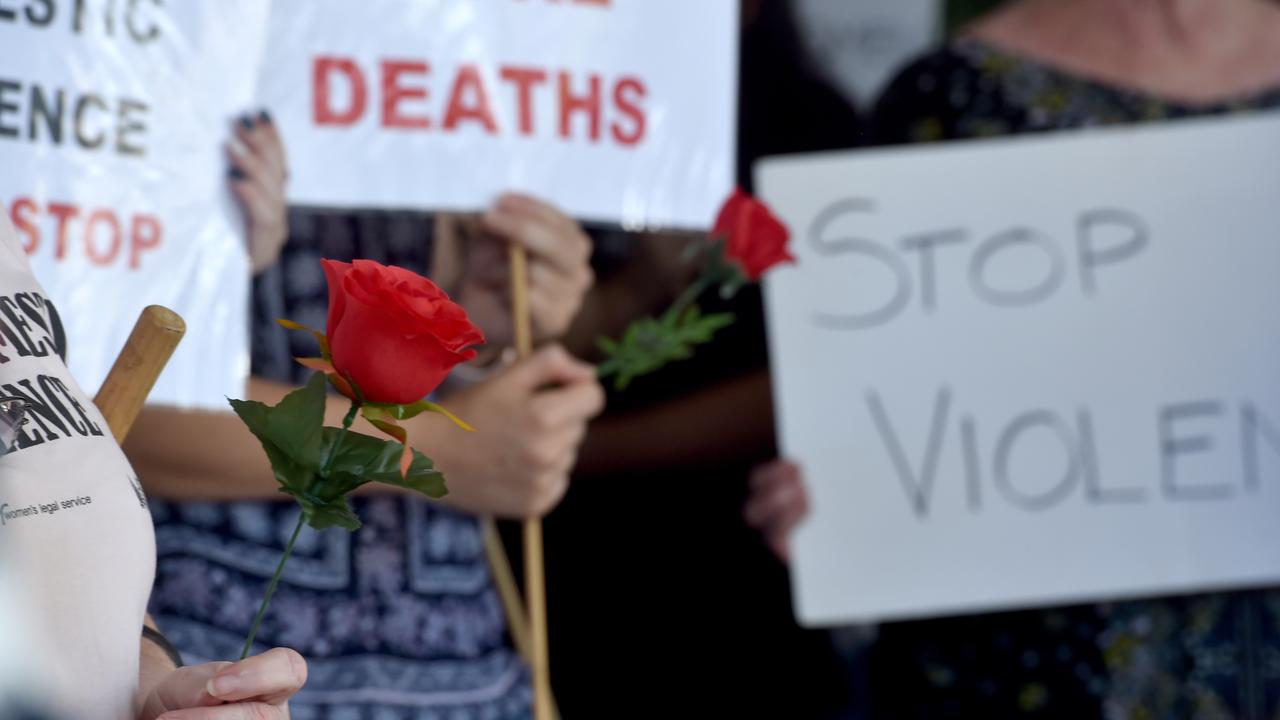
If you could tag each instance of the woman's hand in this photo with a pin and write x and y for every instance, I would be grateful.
(257, 688)
(777, 503)
(559, 267)
(258, 174)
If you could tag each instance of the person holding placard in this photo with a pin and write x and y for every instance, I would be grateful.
(401, 618)
(1045, 65)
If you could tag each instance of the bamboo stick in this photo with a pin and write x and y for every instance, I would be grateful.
(534, 568)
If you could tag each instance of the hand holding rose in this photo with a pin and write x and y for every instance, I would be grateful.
(258, 178)
(258, 688)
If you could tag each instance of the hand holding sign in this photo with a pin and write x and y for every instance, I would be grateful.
(258, 175)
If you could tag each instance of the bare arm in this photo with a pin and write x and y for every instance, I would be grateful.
(530, 419)
(716, 424)
(201, 455)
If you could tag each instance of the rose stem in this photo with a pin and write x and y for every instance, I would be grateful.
(293, 539)
(271, 588)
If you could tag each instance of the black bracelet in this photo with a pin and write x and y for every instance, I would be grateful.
(162, 642)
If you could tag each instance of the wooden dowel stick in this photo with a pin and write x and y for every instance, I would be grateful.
(145, 353)
(534, 571)
(508, 590)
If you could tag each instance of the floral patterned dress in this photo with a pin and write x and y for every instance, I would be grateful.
(398, 621)
(1202, 656)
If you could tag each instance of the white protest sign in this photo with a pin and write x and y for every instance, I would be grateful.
(615, 110)
(113, 120)
(1034, 371)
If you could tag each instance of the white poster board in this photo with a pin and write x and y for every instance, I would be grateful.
(113, 120)
(1035, 371)
(615, 110)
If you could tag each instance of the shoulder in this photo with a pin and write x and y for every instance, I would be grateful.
(917, 105)
(955, 92)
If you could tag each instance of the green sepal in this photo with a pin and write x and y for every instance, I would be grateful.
(412, 410)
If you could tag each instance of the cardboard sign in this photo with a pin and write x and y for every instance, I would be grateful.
(1034, 371)
(113, 120)
(615, 110)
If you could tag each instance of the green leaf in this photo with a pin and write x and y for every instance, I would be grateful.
(289, 473)
(291, 428)
(607, 346)
(363, 459)
(650, 343)
(296, 422)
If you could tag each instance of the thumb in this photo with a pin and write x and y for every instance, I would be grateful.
(551, 365)
(186, 687)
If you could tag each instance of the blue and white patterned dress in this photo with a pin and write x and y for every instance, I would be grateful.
(399, 620)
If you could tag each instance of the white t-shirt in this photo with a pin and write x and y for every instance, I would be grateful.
(73, 518)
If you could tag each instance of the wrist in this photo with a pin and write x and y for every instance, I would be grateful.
(160, 642)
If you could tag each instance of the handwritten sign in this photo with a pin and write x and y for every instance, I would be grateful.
(113, 121)
(1034, 371)
(616, 110)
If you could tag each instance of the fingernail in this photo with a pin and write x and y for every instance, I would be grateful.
(246, 122)
(223, 685)
(264, 116)
(236, 173)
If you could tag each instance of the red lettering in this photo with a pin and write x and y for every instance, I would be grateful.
(22, 211)
(103, 235)
(145, 234)
(469, 82)
(323, 112)
(524, 79)
(589, 104)
(63, 213)
(628, 95)
(96, 218)
(393, 93)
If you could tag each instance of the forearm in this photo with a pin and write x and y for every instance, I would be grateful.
(727, 422)
(201, 455)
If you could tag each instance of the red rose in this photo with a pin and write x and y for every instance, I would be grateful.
(393, 332)
(754, 239)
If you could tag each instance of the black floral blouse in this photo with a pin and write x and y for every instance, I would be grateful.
(1202, 656)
